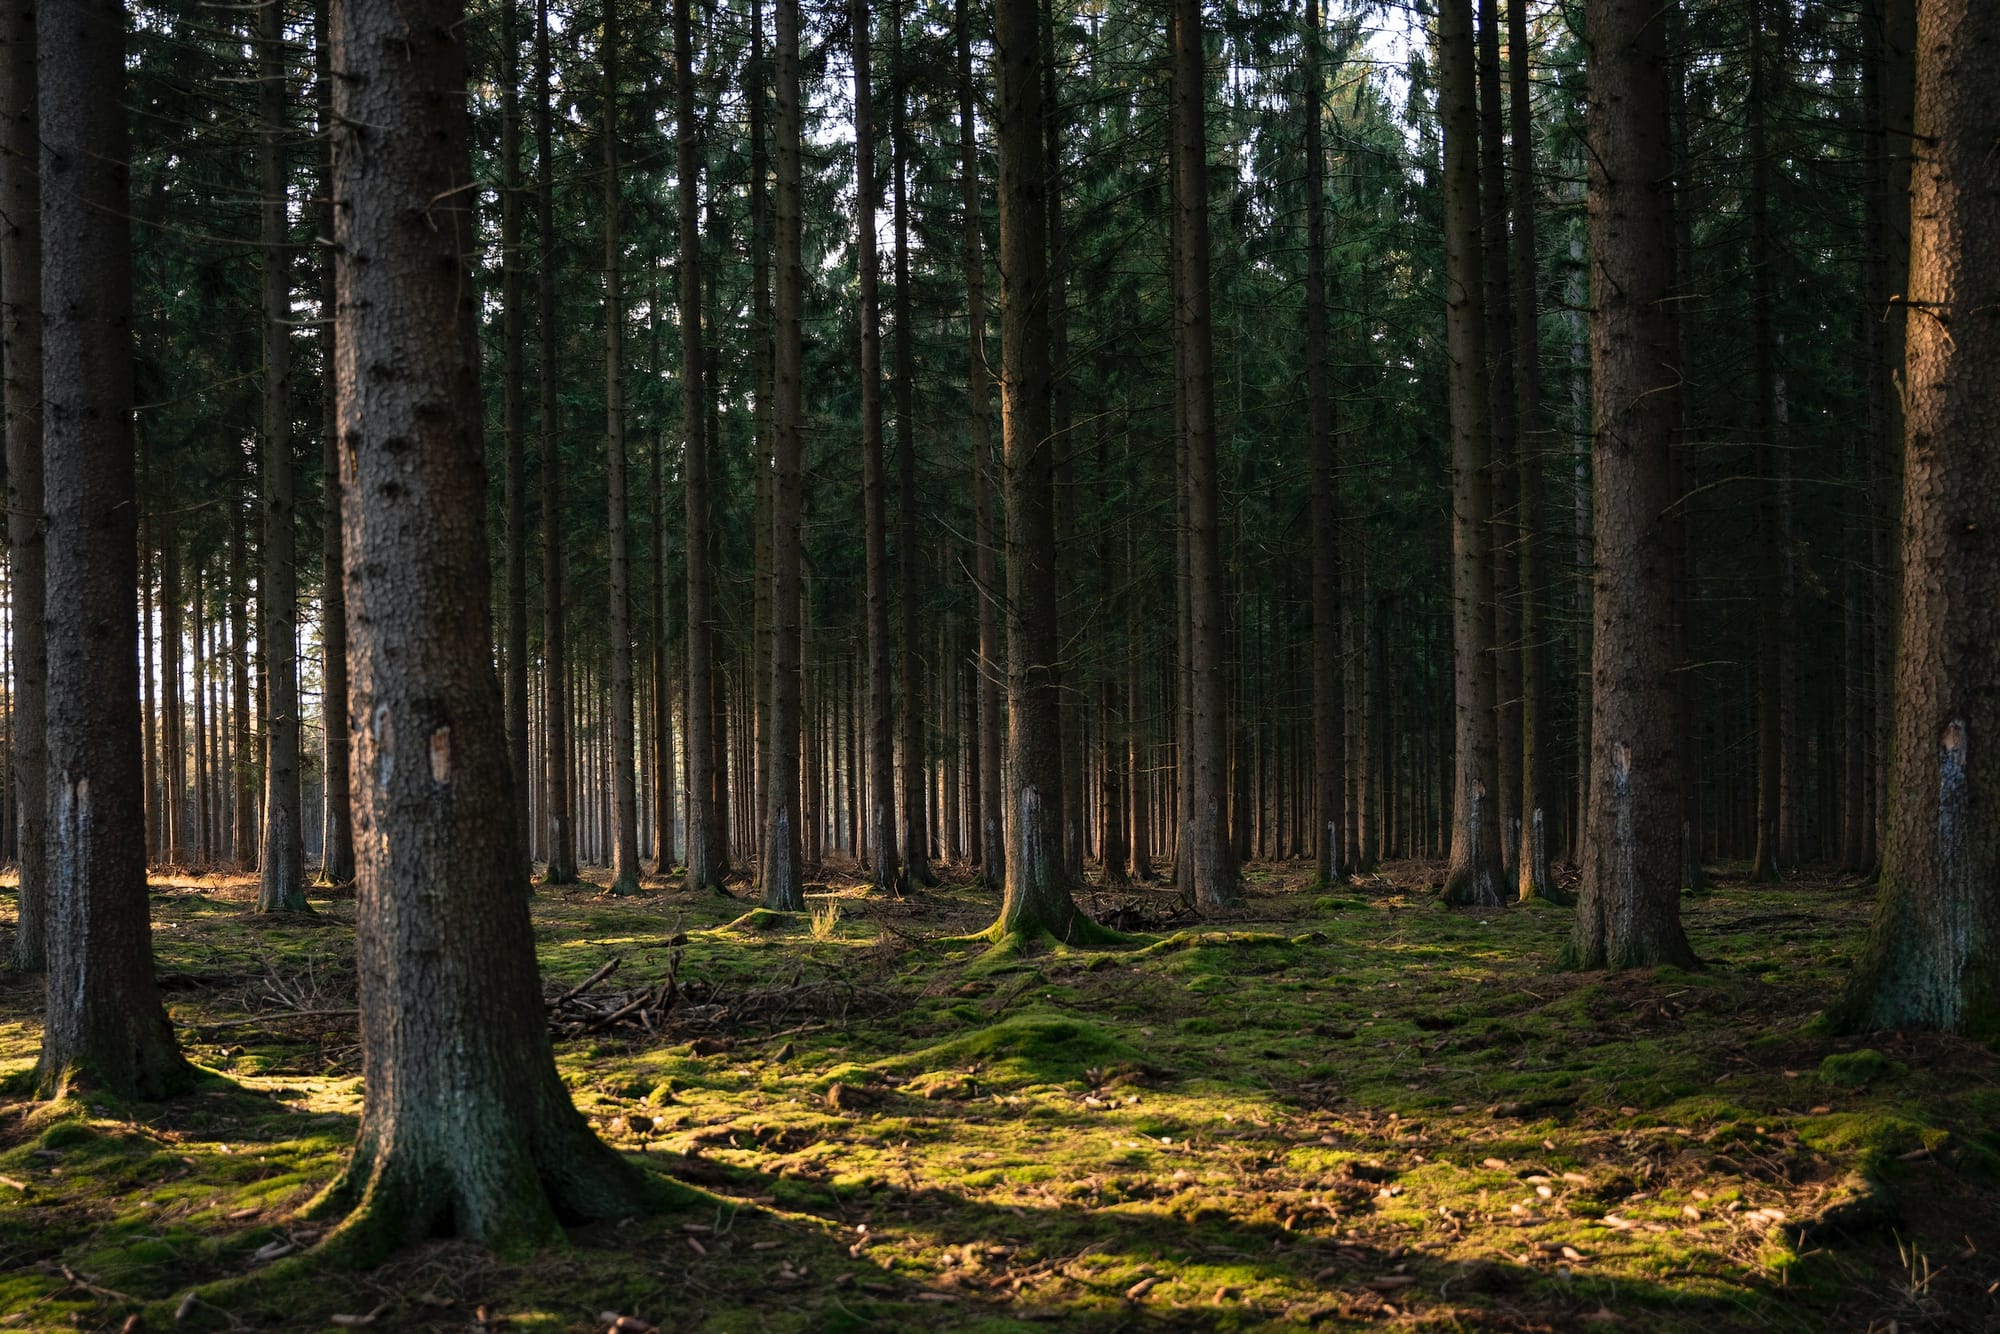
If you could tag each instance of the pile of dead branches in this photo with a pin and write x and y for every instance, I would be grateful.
(672, 1007)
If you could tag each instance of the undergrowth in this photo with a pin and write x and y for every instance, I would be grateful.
(1334, 1110)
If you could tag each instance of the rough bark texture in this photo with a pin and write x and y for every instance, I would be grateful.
(990, 840)
(513, 410)
(555, 673)
(704, 844)
(21, 327)
(337, 858)
(1532, 877)
(1474, 876)
(281, 866)
(105, 1027)
(1933, 959)
(624, 782)
(884, 870)
(466, 1127)
(1628, 915)
(1211, 859)
(1037, 897)
(1329, 705)
(910, 667)
(784, 887)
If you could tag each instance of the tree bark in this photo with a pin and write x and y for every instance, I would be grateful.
(624, 782)
(514, 410)
(1329, 712)
(1628, 915)
(784, 888)
(704, 852)
(1474, 875)
(281, 867)
(991, 803)
(562, 829)
(910, 667)
(21, 328)
(466, 1128)
(885, 870)
(1931, 957)
(337, 847)
(105, 1028)
(1212, 870)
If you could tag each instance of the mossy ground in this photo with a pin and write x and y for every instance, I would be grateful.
(1337, 1110)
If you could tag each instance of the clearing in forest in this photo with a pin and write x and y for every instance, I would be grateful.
(1332, 1110)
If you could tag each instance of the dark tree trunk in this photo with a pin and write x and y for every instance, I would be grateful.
(21, 325)
(1629, 913)
(624, 782)
(337, 848)
(910, 667)
(705, 861)
(1212, 870)
(105, 1027)
(784, 887)
(1037, 897)
(555, 667)
(1931, 958)
(466, 1128)
(281, 866)
(990, 806)
(1474, 876)
(884, 871)
(243, 773)
(514, 410)
(1329, 712)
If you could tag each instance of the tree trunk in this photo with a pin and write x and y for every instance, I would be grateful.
(784, 888)
(1037, 897)
(1629, 913)
(884, 871)
(21, 322)
(1474, 876)
(562, 829)
(624, 783)
(1212, 871)
(466, 1128)
(704, 853)
(910, 669)
(991, 804)
(1329, 712)
(514, 409)
(243, 774)
(105, 1028)
(1931, 958)
(337, 842)
(281, 866)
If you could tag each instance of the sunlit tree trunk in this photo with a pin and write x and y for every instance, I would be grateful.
(910, 668)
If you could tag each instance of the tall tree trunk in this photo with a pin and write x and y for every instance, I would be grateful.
(562, 828)
(337, 847)
(21, 325)
(466, 1127)
(281, 885)
(1329, 739)
(1769, 861)
(885, 871)
(243, 774)
(764, 379)
(1532, 877)
(1931, 958)
(1629, 913)
(1474, 876)
(705, 862)
(105, 1028)
(784, 888)
(173, 716)
(910, 668)
(1037, 896)
(1502, 415)
(991, 804)
(1212, 870)
(514, 409)
(664, 805)
(624, 783)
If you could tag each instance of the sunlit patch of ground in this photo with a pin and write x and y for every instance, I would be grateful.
(1334, 1109)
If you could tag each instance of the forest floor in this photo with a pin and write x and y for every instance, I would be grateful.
(1340, 1110)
